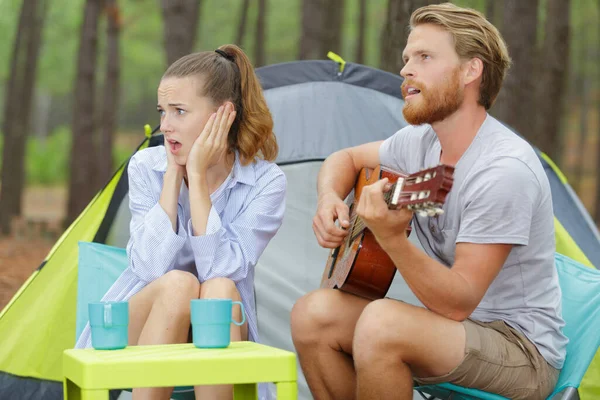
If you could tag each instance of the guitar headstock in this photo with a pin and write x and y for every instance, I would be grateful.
(423, 192)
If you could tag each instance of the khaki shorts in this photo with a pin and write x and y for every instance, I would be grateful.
(499, 359)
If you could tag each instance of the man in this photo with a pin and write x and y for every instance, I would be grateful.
(492, 316)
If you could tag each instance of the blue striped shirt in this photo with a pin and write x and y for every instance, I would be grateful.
(247, 210)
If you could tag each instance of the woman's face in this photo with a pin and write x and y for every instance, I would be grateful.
(183, 114)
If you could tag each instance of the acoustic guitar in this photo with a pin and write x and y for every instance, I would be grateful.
(359, 265)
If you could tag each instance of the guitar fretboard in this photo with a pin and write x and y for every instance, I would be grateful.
(357, 224)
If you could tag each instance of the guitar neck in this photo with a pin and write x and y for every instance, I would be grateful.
(423, 192)
(358, 225)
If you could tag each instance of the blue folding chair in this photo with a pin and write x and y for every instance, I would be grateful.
(581, 311)
(99, 266)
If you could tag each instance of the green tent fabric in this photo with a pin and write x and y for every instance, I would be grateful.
(38, 324)
(317, 109)
(35, 305)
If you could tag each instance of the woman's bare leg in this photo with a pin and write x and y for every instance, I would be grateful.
(222, 288)
(160, 314)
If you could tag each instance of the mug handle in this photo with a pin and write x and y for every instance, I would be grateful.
(108, 315)
(243, 314)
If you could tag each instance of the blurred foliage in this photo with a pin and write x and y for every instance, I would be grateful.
(142, 43)
(47, 161)
(143, 57)
(142, 40)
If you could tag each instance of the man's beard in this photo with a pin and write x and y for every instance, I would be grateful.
(436, 104)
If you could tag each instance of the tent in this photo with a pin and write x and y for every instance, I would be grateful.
(318, 107)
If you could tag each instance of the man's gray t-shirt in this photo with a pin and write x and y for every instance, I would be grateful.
(500, 194)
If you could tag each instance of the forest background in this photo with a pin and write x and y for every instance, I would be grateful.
(78, 82)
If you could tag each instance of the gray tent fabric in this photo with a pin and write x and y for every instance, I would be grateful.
(566, 203)
(310, 124)
(293, 73)
(318, 110)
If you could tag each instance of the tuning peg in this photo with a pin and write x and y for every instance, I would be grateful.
(439, 211)
(431, 212)
(422, 213)
(427, 176)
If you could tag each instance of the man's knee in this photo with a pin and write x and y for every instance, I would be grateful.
(313, 313)
(384, 329)
(219, 288)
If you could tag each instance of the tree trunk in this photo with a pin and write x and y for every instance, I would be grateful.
(583, 83)
(180, 27)
(321, 28)
(362, 27)
(394, 35)
(41, 118)
(551, 84)
(395, 32)
(422, 3)
(584, 92)
(82, 171)
(239, 39)
(110, 104)
(14, 148)
(259, 45)
(516, 102)
(19, 96)
(490, 10)
(493, 11)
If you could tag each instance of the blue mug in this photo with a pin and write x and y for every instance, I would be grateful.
(211, 322)
(109, 322)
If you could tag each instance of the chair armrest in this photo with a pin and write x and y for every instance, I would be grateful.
(568, 393)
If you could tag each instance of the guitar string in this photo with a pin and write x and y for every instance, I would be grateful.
(404, 195)
(356, 222)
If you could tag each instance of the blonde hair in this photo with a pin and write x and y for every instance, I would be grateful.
(229, 75)
(474, 37)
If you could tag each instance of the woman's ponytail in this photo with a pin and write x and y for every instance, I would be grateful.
(255, 135)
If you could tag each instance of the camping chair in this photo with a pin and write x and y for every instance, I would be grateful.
(580, 287)
(99, 265)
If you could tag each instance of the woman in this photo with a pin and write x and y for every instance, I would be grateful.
(204, 206)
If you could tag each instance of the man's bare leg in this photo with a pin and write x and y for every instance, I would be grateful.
(160, 314)
(394, 340)
(222, 288)
(323, 324)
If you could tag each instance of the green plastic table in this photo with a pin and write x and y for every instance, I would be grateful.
(89, 374)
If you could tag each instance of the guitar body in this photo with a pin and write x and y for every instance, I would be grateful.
(359, 266)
